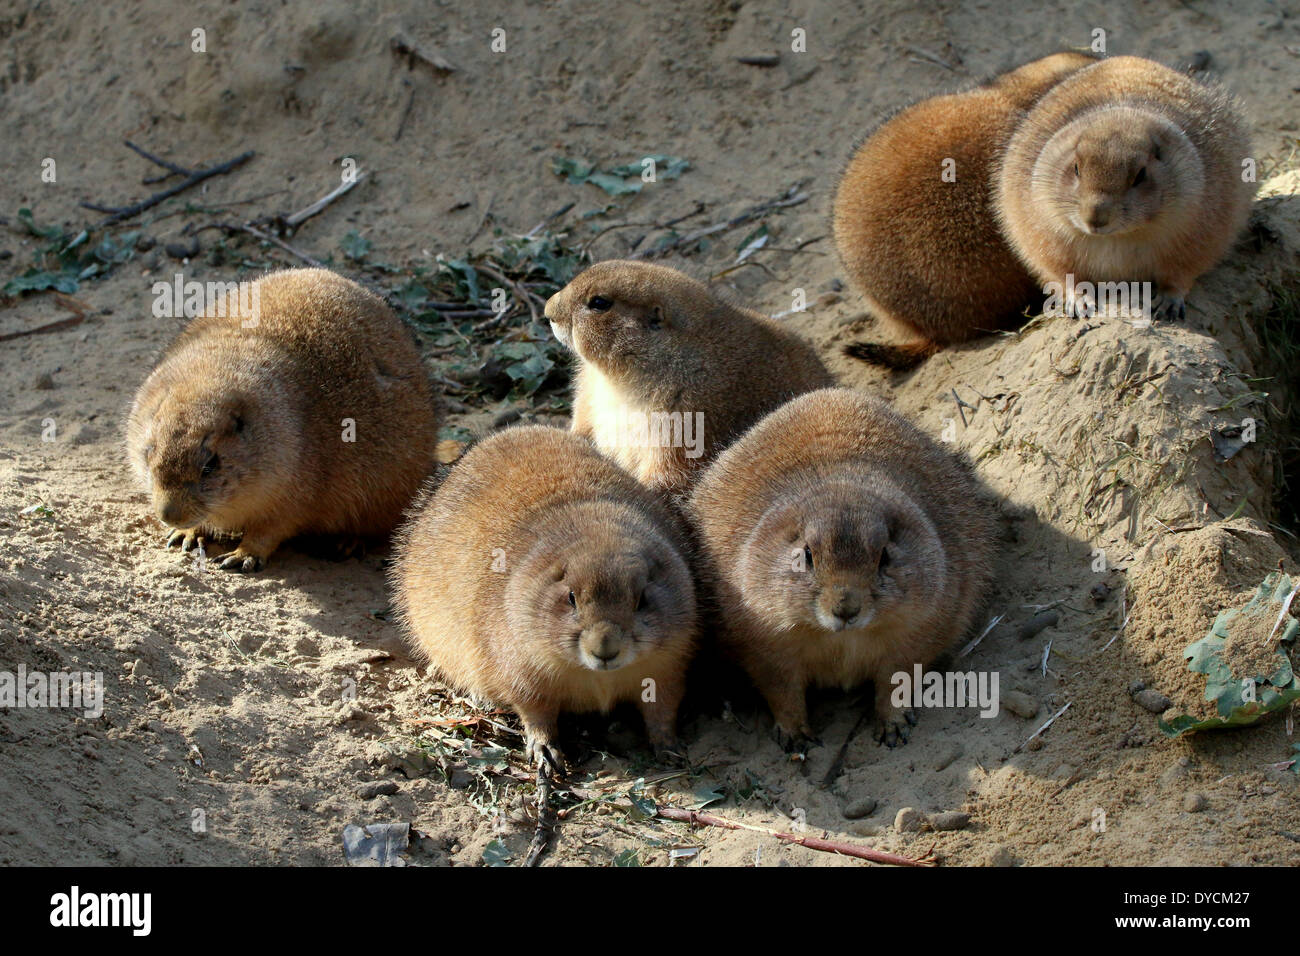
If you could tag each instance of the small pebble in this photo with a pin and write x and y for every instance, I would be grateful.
(909, 820)
(1195, 802)
(379, 788)
(1000, 856)
(460, 780)
(947, 756)
(1137, 687)
(860, 808)
(44, 382)
(1040, 621)
(182, 250)
(1020, 704)
(1153, 701)
(950, 820)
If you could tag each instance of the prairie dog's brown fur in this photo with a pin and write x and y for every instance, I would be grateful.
(542, 576)
(1126, 172)
(240, 427)
(924, 252)
(655, 343)
(843, 545)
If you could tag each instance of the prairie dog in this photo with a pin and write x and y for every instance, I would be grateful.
(924, 248)
(1126, 172)
(542, 576)
(671, 371)
(844, 545)
(299, 406)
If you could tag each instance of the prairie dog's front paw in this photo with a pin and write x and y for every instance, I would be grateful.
(797, 741)
(894, 725)
(185, 538)
(539, 750)
(242, 561)
(1167, 306)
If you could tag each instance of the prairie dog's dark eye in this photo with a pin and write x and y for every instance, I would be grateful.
(211, 465)
(598, 303)
(884, 558)
(1141, 176)
(807, 557)
(1076, 170)
(573, 600)
(641, 602)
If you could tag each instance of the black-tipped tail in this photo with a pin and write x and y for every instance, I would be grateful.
(900, 358)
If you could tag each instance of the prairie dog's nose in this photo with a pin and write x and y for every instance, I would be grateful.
(172, 509)
(846, 606)
(1097, 215)
(603, 642)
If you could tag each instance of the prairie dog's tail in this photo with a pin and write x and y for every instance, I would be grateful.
(900, 358)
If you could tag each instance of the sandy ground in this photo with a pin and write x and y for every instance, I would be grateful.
(227, 697)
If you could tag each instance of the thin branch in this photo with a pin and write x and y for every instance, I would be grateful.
(812, 843)
(302, 215)
(119, 213)
(791, 198)
(545, 817)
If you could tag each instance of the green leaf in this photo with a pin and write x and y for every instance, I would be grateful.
(493, 758)
(38, 280)
(628, 858)
(705, 795)
(615, 185)
(1275, 687)
(666, 167)
(643, 808)
(49, 232)
(465, 275)
(355, 246)
(411, 295)
(619, 180)
(531, 373)
(496, 854)
(574, 170)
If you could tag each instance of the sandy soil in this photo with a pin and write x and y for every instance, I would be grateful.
(228, 695)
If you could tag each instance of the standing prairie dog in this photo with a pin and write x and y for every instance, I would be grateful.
(671, 371)
(843, 545)
(542, 576)
(299, 405)
(1126, 172)
(914, 221)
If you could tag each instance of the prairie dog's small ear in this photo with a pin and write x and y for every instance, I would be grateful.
(556, 572)
(235, 419)
(655, 566)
